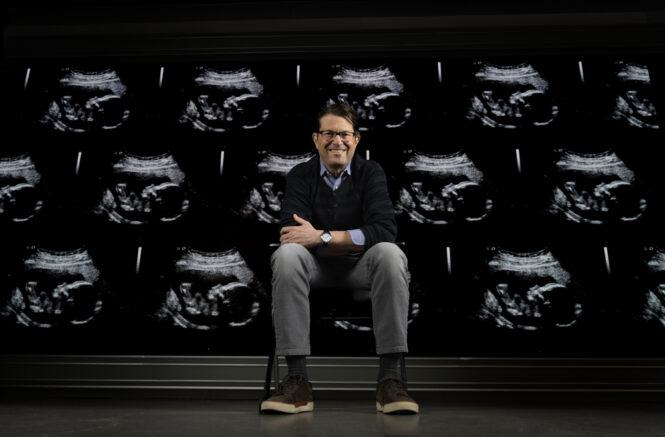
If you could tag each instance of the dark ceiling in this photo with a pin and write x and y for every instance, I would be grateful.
(38, 28)
(362, 7)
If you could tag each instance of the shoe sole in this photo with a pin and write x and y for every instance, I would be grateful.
(286, 408)
(403, 407)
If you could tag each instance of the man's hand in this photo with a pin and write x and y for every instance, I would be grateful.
(303, 234)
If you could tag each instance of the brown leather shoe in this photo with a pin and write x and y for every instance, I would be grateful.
(294, 395)
(392, 398)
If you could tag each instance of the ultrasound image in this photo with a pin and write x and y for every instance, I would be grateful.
(143, 190)
(224, 100)
(209, 290)
(20, 185)
(55, 289)
(633, 98)
(264, 201)
(529, 291)
(86, 101)
(510, 97)
(442, 189)
(375, 93)
(654, 307)
(595, 189)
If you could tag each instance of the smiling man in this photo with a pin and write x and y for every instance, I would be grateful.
(338, 230)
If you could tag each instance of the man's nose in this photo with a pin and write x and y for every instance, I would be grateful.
(337, 139)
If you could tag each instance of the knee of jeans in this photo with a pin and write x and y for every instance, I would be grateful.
(389, 253)
(287, 254)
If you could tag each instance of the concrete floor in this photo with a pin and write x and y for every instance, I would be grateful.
(197, 418)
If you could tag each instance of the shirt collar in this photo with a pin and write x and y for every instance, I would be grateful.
(324, 170)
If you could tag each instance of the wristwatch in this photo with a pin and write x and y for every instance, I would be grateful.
(326, 238)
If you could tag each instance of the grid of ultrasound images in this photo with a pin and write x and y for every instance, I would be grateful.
(139, 201)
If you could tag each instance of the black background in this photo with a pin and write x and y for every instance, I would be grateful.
(610, 324)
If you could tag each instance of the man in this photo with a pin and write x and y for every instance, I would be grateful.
(338, 229)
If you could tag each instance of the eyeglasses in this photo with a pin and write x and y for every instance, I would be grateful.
(331, 134)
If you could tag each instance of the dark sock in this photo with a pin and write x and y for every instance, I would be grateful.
(297, 365)
(388, 365)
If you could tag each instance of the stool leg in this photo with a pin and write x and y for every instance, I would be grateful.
(266, 385)
(273, 366)
(402, 365)
(276, 370)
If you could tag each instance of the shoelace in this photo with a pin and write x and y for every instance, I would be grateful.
(399, 388)
(288, 383)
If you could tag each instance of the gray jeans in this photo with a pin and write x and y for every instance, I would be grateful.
(382, 269)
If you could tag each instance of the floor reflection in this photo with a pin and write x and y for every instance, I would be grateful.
(303, 424)
(292, 425)
(391, 425)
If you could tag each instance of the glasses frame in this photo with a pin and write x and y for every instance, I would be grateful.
(334, 134)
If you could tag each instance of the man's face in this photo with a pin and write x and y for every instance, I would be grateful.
(335, 152)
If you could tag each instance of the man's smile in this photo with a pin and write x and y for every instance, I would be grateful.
(337, 149)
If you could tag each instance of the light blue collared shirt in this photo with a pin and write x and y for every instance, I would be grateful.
(333, 182)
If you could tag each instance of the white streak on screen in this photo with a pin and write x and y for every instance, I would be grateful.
(448, 260)
(27, 77)
(78, 162)
(138, 259)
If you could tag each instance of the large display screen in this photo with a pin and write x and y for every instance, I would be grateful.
(139, 202)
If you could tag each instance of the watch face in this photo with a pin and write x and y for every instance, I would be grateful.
(326, 237)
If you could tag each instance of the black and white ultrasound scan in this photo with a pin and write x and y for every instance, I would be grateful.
(21, 194)
(54, 289)
(596, 189)
(205, 291)
(634, 101)
(261, 201)
(631, 304)
(143, 190)
(507, 96)
(653, 306)
(218, 99)
(79, 100)
(622, 93)
(442, 189)
(373, 90)
(528, 291)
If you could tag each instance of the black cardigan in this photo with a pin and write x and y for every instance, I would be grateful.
(361, 201)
